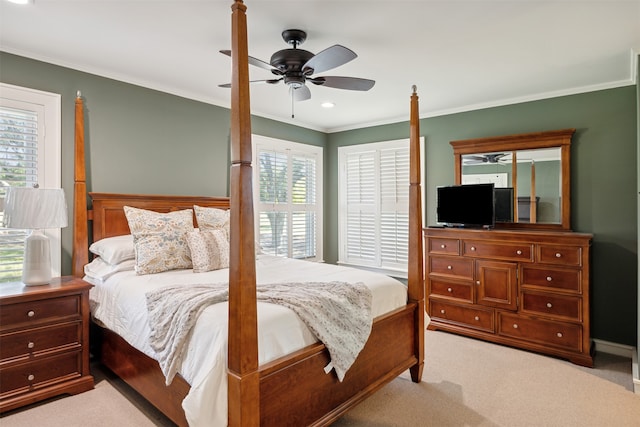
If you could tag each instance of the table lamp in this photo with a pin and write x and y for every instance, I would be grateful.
(35, 209)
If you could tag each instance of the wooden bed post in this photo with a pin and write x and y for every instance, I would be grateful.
(416, 258)
(243, 378)
(80, 255)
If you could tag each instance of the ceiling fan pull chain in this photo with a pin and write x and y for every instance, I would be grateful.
(292, 104)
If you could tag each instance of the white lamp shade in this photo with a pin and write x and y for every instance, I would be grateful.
(35, 208)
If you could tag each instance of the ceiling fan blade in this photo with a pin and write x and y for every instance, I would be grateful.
(327, 59)
(349, 83)
(301, 93)
(270, 81)
(257, 62)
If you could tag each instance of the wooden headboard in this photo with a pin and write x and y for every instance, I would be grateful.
(108, 214)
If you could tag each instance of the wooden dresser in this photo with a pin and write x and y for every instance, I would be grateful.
(527, 289)
(44, 341)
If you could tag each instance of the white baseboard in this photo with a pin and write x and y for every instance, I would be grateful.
(614, 348)
(624, 351)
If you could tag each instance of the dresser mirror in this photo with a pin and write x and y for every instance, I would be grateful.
(531, 174)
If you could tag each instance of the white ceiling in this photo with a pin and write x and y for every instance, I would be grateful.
(462, 55)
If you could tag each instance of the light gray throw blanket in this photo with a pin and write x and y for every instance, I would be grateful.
(338, 313)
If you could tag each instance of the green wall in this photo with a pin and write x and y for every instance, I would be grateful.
(140, 140)
(603, 182)
(135, 136)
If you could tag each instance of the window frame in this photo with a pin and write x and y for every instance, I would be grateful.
(260, 142)
(49, 173)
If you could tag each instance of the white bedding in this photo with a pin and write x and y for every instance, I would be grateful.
(119, 303)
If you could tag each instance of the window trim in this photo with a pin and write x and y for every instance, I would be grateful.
(281, 144)
(343, 151)
(50, 175)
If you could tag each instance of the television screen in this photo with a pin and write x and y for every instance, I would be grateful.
(470, 205)
(504, 204)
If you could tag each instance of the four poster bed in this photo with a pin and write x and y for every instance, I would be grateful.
(288, 386)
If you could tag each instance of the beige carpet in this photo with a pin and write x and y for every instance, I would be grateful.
(466, 383)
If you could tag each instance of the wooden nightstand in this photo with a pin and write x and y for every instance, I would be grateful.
(44, 341)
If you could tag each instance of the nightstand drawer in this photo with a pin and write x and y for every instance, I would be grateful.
(38, 340)
(546, 332)
(34, 312)
(29, 376)
(564, 307)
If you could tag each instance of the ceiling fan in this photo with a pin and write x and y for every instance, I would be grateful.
(296, 66)
(484, 158)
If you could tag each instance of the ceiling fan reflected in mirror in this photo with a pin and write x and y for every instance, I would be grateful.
(295, 67)
(490, 158)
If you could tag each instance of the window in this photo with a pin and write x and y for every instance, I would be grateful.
(288, 198)
(373, 216)
(29, 154)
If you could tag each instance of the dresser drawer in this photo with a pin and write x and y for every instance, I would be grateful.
(559, 279)
(562, 307)
(34, 312)
(38, 340)
(444, 246)
(24, 377)
(467, 316)
(560, 255)
(460, 291)
(546, 332)
(461, 268)
(498, 251)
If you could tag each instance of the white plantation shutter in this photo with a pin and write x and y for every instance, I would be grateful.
(374, 205)
(288, 179)
(19, 168)
(29, 154)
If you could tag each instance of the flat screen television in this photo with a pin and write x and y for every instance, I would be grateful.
(470, 205)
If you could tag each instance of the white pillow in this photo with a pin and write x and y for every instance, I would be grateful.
(100, 270)
(114, 250)
(160, 239)
(209, 250)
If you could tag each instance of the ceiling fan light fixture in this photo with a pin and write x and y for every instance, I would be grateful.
(327, 104)
(20, 1)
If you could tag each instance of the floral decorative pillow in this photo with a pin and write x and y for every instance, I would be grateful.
(209, 250)
(159, 239)
(212, 219)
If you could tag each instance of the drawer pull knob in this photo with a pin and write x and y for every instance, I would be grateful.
(449, 267)
(549, 305)
(443, 246)
(519, 252)
(515, 326)
(31, 377)
(473, 248)
(559, 334)
(549, 278)
(477, 318)
(449, 290)
(31, 344)
(31, 313)
(558, 255)
(478, 282)
(442, 311)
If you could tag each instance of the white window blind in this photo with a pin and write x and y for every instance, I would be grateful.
(288, 179)
(29, 155)
(373, 211)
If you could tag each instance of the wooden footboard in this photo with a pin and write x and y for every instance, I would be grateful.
(294, 390)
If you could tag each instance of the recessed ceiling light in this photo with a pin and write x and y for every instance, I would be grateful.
(328, 104)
